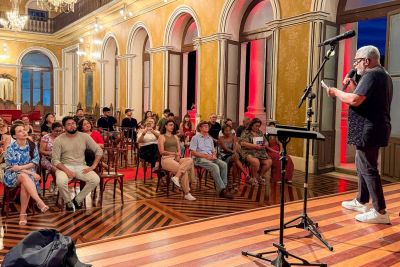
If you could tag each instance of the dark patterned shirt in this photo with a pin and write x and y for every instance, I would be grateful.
(369, 123)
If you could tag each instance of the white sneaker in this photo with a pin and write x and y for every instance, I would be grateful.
(189, 196)
(175, 179)
(372, 216)
(355, 205)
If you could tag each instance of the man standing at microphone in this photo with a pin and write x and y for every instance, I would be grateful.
(368, 129)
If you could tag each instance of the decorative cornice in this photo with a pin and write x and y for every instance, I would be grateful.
(7, 65)
(159, 49)
(126, 56)
(212, 38)
(313, 16)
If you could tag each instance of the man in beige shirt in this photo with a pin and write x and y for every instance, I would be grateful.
(68, 156)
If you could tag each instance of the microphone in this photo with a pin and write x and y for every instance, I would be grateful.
(338, 38)
(349, 75)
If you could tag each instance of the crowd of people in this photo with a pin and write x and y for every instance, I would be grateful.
(73, 148)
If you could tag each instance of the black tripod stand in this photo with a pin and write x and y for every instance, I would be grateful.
(305, 222)
(280, 260)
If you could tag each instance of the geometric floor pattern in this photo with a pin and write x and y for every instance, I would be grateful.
(145, 209)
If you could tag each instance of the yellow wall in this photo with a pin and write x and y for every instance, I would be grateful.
(292, 66)
(292, 78)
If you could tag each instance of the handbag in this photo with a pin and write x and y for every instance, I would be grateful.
(44, 248)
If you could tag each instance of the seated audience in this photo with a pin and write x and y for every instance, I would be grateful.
(241, 128)
(106, 122)
(168, 145)
(254, 145)
(46, 148)
(148, 144)
(186, 132)
(79, 115)
(21, 159)
(215, 127)
(205, 156)
(274, 149)
(48, 120)
(230, 123)
(5, 138)
(69, 158)
(86, 127)
(147, 115)
(27, 124)
(229, 153)
(129, 125)
(163, 120)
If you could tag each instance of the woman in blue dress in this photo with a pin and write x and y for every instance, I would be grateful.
(21, 158)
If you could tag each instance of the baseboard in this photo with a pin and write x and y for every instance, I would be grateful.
(300, 164)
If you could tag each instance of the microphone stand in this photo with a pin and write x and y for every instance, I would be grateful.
(305, 221)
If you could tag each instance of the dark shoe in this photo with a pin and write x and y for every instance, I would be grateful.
(225, 194)
(69, 207)
(77, 205)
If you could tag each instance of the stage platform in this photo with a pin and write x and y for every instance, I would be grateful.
(219, 241)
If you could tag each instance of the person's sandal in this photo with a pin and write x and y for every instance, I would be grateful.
(23, 219)
(252, 181)
(44, 208)
(261, 180)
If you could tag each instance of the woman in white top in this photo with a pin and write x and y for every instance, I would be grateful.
(148, 144)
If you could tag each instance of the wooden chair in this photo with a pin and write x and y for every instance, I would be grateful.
(144, 164)
(111, 154)
(163, 173)
(9, 197)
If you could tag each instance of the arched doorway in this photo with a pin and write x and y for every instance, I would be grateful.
(110, 74)
(139, 66)
(182, 62)
(247, 84)
(37, 81)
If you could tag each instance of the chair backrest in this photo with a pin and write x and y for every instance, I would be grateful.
(110, 158)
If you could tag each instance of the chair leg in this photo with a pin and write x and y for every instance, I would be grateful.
(137, 168)
(168, 182)
(4, 204)
(121, 188)
(144, 171)
(115, 186)
(159, 177)
(101, 191)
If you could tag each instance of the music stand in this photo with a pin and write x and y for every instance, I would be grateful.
(284, 135)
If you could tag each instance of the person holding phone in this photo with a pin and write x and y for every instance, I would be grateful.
(148, 144)
(254, 146)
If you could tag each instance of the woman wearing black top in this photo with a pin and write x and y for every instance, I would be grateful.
(48, 121)
(129, 125)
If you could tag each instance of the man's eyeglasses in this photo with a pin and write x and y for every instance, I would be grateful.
(358, 60)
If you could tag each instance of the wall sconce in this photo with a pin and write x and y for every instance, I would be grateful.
(97, 26)
(125, 13)
(4, 51)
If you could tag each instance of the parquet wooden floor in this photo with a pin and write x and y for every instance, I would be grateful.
(219, 241)
(145, 210)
